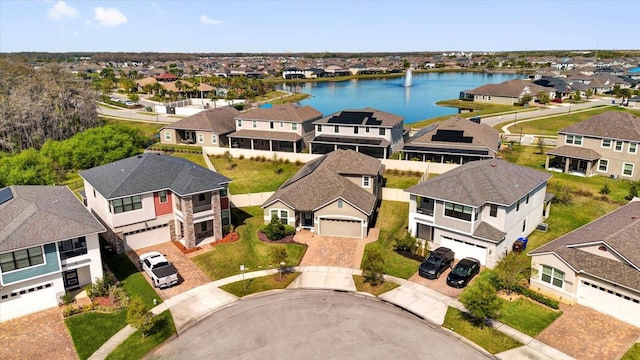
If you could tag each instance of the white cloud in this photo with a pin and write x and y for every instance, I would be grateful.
(109, 17)
(209, 21)
(61, 10)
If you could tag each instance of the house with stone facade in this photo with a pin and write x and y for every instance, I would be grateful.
(48, 246)
(479, 209)
(149, 199)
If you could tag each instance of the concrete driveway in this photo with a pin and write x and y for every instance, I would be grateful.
(42, 335)
(589, 335)
(190, 274)
(334, 251)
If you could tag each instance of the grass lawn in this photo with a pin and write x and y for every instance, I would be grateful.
(487, 337)
(135, 347)
(363, 286)
(149, 129)
(392, 221)
(479, 109)
(260, 284)
(401, 179)
(551, 125)
(633, 353)
(250, 176)
(195, 158)
(90, 330)
(105, 105)
(132, 280)
(526, 316)
(225, 259)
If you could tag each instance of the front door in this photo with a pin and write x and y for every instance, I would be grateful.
(307, 219)
(71, 279)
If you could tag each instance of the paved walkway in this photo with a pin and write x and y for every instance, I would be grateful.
(190, 307)
(334, 250)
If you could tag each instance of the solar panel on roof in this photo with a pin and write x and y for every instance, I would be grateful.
(5, 195)
(456, 136)
(351, 117)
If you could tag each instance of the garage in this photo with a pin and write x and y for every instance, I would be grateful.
(147, 237)
(465, 249)
(606, 299)
(340, 227)
(32, 300)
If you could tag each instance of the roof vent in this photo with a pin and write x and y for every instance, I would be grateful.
(494, 165)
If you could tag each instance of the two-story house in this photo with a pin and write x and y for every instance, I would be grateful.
(596, 265)
(149, 199)
(455, 140)
(479, 209)
(606, 144)
(285, 127)
(369, 131)
(48, 245)
(206, 128)
(335, 194)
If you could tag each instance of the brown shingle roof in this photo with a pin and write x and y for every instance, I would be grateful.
(284, 112)
(483, 181)
(365, 117)
(146, 81)
(320, 181)
(512, 88)
(219, 121)
(481, 135)
(611, 125)
(575, 152)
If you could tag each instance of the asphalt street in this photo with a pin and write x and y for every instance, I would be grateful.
(316, 324)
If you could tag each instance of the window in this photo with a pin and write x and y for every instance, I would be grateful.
(203, 226)
(214, 139)
(225, 218)
(126, 204)
(366, 181)
(552, 276)
(21, 259)
(272, 125)
(618, 146)
(606, 143)
(493, 211)
(603, 165)
(281, 125)
(366, 129)
(223, 192)
(336, 129)
(71, 248)
(94, 192)
(627, 169)
(524, 225)
(458, 211)
(178, 203)
(382, 131)
(573, 140)
(167, 135)
(283, 215)
(202, 197)
(340, 204)
(294, 126)
(254, 124)
(163, 196)
(355, 129)
(239, 123)
(319, 128)
(527, 200)
(518, 206)
(633, 148)
(201, 138)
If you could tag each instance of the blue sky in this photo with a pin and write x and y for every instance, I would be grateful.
(317, 26)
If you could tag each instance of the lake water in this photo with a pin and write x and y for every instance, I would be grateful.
(415, 103)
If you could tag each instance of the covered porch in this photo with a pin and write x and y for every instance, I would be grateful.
(459, 155)
(374, 147)
(266, 140)
(571, 160)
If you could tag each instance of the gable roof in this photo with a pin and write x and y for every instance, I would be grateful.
(611, 124)
(575, 152)
(480, 135)
(322, 180)
(38, 215)
(218, 121)
(146, 173)
(511, 88)
(283, 112)
(483, 181)
(365, 117)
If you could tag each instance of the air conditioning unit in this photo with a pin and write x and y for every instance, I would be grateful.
(544, 227)
(614, 176)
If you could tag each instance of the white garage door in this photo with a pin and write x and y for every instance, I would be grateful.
(607, 300)
(27, 303)
(465, 249)
(339, 227)
(147, 238)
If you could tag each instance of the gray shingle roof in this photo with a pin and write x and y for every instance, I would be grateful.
(488, 232)
(575, 152)
(219, 121)
(151, 172)
(481, 135)
(511, 88)
(321, 181)
(43, 214)
(350, 117)
(611, 125)
(484, 181)
(284, 112)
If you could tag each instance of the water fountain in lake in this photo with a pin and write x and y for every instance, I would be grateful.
(408, 81)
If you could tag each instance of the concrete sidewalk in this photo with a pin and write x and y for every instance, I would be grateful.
(190, 307)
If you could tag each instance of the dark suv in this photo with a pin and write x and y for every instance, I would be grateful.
(434, 265)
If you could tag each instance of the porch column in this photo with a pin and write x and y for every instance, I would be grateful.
(546, 161)
(335, 147)
(357, 148)
(251, 144)
(441, 159)
(172, 230)
(567, 161)
(270, 145)
(460, 159)
(295, 146)
(385, 153)
(589, 166)
(189, 231)
(217, 215)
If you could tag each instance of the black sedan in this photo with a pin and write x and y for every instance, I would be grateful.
(463, 272)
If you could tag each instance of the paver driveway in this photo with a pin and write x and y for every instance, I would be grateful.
(334, 250)
(589, 335)
(42, 335)
(190, 274)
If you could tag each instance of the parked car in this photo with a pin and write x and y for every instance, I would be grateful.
(115, 99)
(463, 272)
(436, 263)
(159, 269)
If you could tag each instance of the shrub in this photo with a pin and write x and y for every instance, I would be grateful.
(100, 287)
(481, 301)
(406, 243)
(633, 192)
(563, 193)
(66, 298)
(605, 189)
(289, 230)
(279, 256)
(511, 270)
(274, 230)
(69, 311)
(373, 266)
(554, 304)
(298, 163)
(139, 317)
(241, 157)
